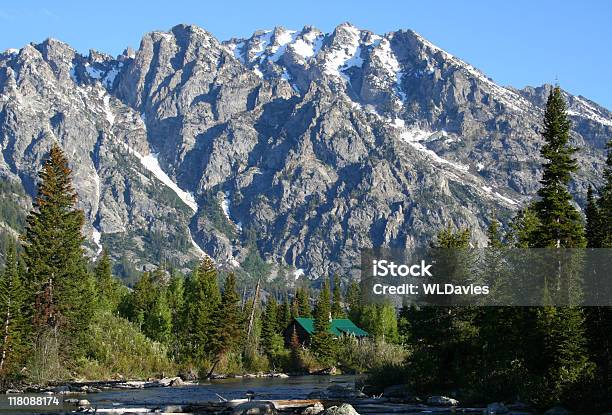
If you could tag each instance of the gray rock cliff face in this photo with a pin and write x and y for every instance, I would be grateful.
(305, 145)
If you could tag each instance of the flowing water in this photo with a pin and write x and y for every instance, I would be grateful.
(297, 387)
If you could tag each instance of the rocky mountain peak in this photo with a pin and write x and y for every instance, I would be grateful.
(302, 146)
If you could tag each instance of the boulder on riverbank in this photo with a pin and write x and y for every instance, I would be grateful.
(166, 382)
(344, 409)
(255, 408)
(337, 392)
(315, 409)
(442, 401)
(402, 393)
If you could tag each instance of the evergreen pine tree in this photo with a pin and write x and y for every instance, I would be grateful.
(202, 298)
(322, 342)
(295, 307)
(404, 328)
(593, 221)
(560, 224)
(559, 360)
(55, 260)
(494, 235)
(227, 322)
(14, 311)
(523, 228)
(109, 288)
(296, 351)
(283, 314)
(141, 301)
(336, 307)
(380, 321)
(605, 203)
(353, 299)
(445, 355)
(303, 300)
(271, 338)
(175, 299)
(269, 326)
(158, 323)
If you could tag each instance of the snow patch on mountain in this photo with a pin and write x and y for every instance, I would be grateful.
(342, 57)
(585, 110)
(489, 191)
(260, 41)
(110, 117)
(387, 59)
(414, 136)
(309, 45)
(281, 41)
(225, 207)
(151, 163)
(96, 236)
(93, 72)
(199, 250)
(110, 76)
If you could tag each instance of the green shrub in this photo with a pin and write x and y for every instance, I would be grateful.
(366, 355)
(117, 347)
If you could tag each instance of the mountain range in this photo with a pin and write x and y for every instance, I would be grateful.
(290, 150)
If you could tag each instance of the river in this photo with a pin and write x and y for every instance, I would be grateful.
(297, 387)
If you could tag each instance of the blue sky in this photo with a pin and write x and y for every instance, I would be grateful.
(515, 42)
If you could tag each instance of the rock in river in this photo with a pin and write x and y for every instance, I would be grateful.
(315, 409)
(337, 392)
(255, 408)
(344, 409)
(442, 400)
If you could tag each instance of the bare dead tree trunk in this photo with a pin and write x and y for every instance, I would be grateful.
(7, 322)
(252, 316)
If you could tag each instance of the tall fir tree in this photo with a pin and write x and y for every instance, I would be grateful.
(227, 323)
(323, 343)
(271, 338)
(523, 228)
(283, 314)
(14, 312)
(141, 301)
(605, 203)
(494, 235)
(353, 299)
(269, 326)
(303, 300)
(445, 355)
(158, 323)
(108, 287)
(55, 260)
(593, 226)
(295, 307)
(560, 224)
(557, 357)
(176, 301)
(202, 298)
(336, 307)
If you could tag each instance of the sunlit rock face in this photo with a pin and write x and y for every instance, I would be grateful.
(302, 145)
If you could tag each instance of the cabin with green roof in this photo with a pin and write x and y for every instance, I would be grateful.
(304, 328)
